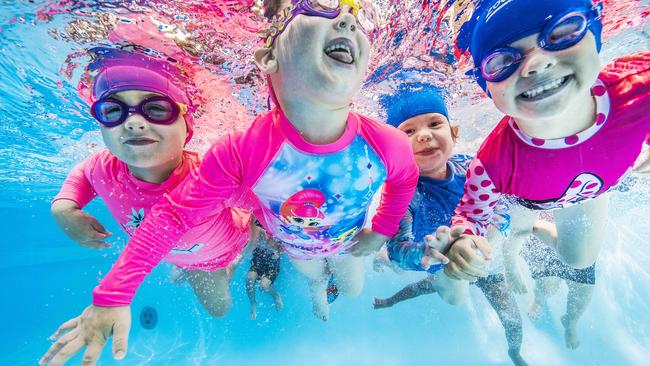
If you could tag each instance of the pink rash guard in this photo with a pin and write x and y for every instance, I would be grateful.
(312, 198)
(211, 245)
(551, 174)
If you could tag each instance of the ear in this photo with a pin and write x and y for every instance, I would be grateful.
(454, 132)
(265, 60)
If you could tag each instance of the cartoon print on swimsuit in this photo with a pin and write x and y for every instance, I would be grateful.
(583, 187)
(301, 213)
(317, 203)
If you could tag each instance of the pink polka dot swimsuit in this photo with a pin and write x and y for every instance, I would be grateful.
(557, 173)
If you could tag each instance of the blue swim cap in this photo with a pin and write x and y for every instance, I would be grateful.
(413, 99)
(501, 22)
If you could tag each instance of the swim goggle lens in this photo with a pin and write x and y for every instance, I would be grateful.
(561, 32)
(330, 9)
(158, 109)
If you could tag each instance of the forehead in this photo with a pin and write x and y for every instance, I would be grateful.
(422, 120)
(133, 96)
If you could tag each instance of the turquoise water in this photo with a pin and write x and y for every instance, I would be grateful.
(47, 279)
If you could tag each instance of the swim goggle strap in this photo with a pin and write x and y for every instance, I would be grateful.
(560, 32)
(329, 9)
(159, 110)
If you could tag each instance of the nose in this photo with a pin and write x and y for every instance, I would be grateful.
(135, 122)
(346, 21)
(536, 62)
(424, 135)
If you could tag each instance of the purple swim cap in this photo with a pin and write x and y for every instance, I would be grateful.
(120, 70)
(501, 22)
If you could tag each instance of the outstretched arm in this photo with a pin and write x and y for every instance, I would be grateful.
(91, 329)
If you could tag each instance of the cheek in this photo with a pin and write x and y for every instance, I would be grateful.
(174, 133)
(500, 97)
(414, 142)
(111, 137)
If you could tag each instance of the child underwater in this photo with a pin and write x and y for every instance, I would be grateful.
(310, 143)
(553, 149)
(144, 118)
(420, 111)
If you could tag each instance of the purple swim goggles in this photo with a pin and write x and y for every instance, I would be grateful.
(560, 32)
(329, 9)
(160, 110)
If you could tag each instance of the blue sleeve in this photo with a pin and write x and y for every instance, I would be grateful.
(403, 251)
(407, 255)
(461, 162)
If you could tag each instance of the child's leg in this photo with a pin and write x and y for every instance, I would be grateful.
(251, 279)
(581, 229)
(578, 299)
(416, 289)
(315, 272)
(212, 289)
(451, 291)
(348, 271)
(544, 288)
(267, 286)
(521, 224)
(503, 302)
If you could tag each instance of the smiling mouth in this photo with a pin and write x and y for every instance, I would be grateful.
(341, 50)
(545, 90)
(427, 151)
(139, 141)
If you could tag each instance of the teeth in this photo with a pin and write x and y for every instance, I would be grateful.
(338, 47)
(540, 89)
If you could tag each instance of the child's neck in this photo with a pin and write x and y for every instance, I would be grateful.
(439, 174)
(576, 118)
(318, 124)
(157, 174)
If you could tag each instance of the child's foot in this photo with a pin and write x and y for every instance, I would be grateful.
(535, 309)
(570, 333)
(516, 358)
(253, 314)
(381, 304)
(516, 282)
(278, 303)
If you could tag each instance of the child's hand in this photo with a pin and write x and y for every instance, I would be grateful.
(79, 226)
(91, 329)
(436, 245)
(467, 256)
(367, 242)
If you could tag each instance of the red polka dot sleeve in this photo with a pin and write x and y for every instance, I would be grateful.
(476, 208)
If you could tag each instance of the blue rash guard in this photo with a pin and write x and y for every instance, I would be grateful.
(432, 205)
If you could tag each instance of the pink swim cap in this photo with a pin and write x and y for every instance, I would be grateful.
(121, 70)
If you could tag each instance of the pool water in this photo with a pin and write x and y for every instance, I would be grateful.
(47, 279)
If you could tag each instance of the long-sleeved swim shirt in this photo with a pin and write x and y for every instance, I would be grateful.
(312, 198)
